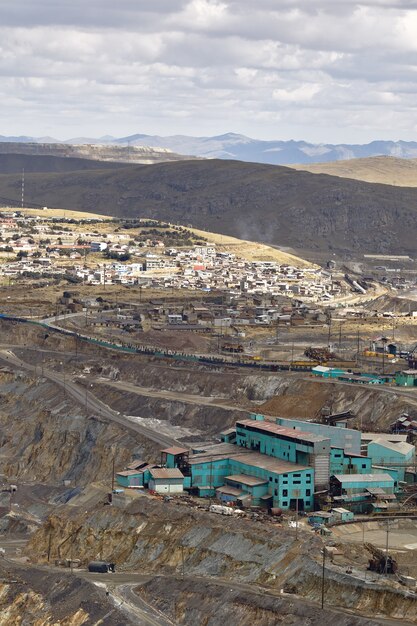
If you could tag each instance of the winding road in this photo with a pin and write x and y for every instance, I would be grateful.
(83, 396)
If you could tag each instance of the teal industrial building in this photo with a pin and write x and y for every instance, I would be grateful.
(255, 478)
(398, 456)
(265, 463)
(341, 437)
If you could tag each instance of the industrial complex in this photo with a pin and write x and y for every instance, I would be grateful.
(287, 464)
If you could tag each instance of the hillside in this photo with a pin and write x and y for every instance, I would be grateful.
(144, 155)
(382, 169)
(15, 163)
(275, 205)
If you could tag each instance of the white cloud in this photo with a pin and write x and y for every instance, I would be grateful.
(327, 70)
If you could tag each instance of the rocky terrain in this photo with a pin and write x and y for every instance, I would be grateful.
(190, 602)
(172, 539)
(29, 595)
(46, 438)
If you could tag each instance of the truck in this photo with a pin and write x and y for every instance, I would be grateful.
(101, 567)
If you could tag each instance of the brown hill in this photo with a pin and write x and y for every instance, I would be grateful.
(383, 169)
(266, 203)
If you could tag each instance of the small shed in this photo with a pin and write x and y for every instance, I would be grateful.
(320, 517)
(342, 515)
(134, 477)
(130, 478)
(166, 480)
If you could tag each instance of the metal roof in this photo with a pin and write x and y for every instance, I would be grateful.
(175, 450)
(401, 447)
(323, 514)
(271, 427)
(130, 473)
(228, 431)
(244, 479)
(363, 478)
(231, 491)
(376, 491)
(136, 464)
(385, 436)
(225, 451)
(166, 473)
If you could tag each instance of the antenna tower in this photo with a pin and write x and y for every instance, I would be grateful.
(23, 188)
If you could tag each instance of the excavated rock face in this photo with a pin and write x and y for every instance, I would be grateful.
(45, 437)
(155, 536)
(32, 596)
(189, 602)
(167, 539)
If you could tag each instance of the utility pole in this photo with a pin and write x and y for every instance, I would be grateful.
(330, 328)
(297, 494)
(358, 348)
(383, 357)
(23, 188)
(386, 549)
(49, 542)
(112, 476)
(322, 577)
(211, 476)
(296, 519)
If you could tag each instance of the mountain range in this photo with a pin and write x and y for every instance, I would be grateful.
(239, 147)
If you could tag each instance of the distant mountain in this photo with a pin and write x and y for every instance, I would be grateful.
(310, 213)
(239, 147)
(233, 146)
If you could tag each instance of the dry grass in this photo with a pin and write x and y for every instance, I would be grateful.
(385, 170)
(77, 215)
(250, 250)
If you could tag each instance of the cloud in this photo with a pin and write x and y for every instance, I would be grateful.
(323, 71)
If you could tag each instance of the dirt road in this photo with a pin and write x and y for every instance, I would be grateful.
(84, 397)
(175, 396)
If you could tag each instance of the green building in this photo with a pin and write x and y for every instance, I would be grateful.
(396, 455)
(251, 478)
(406, 378)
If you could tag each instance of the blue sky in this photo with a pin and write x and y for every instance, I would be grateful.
(320, 70)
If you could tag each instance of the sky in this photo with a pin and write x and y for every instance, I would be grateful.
(319, 70)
